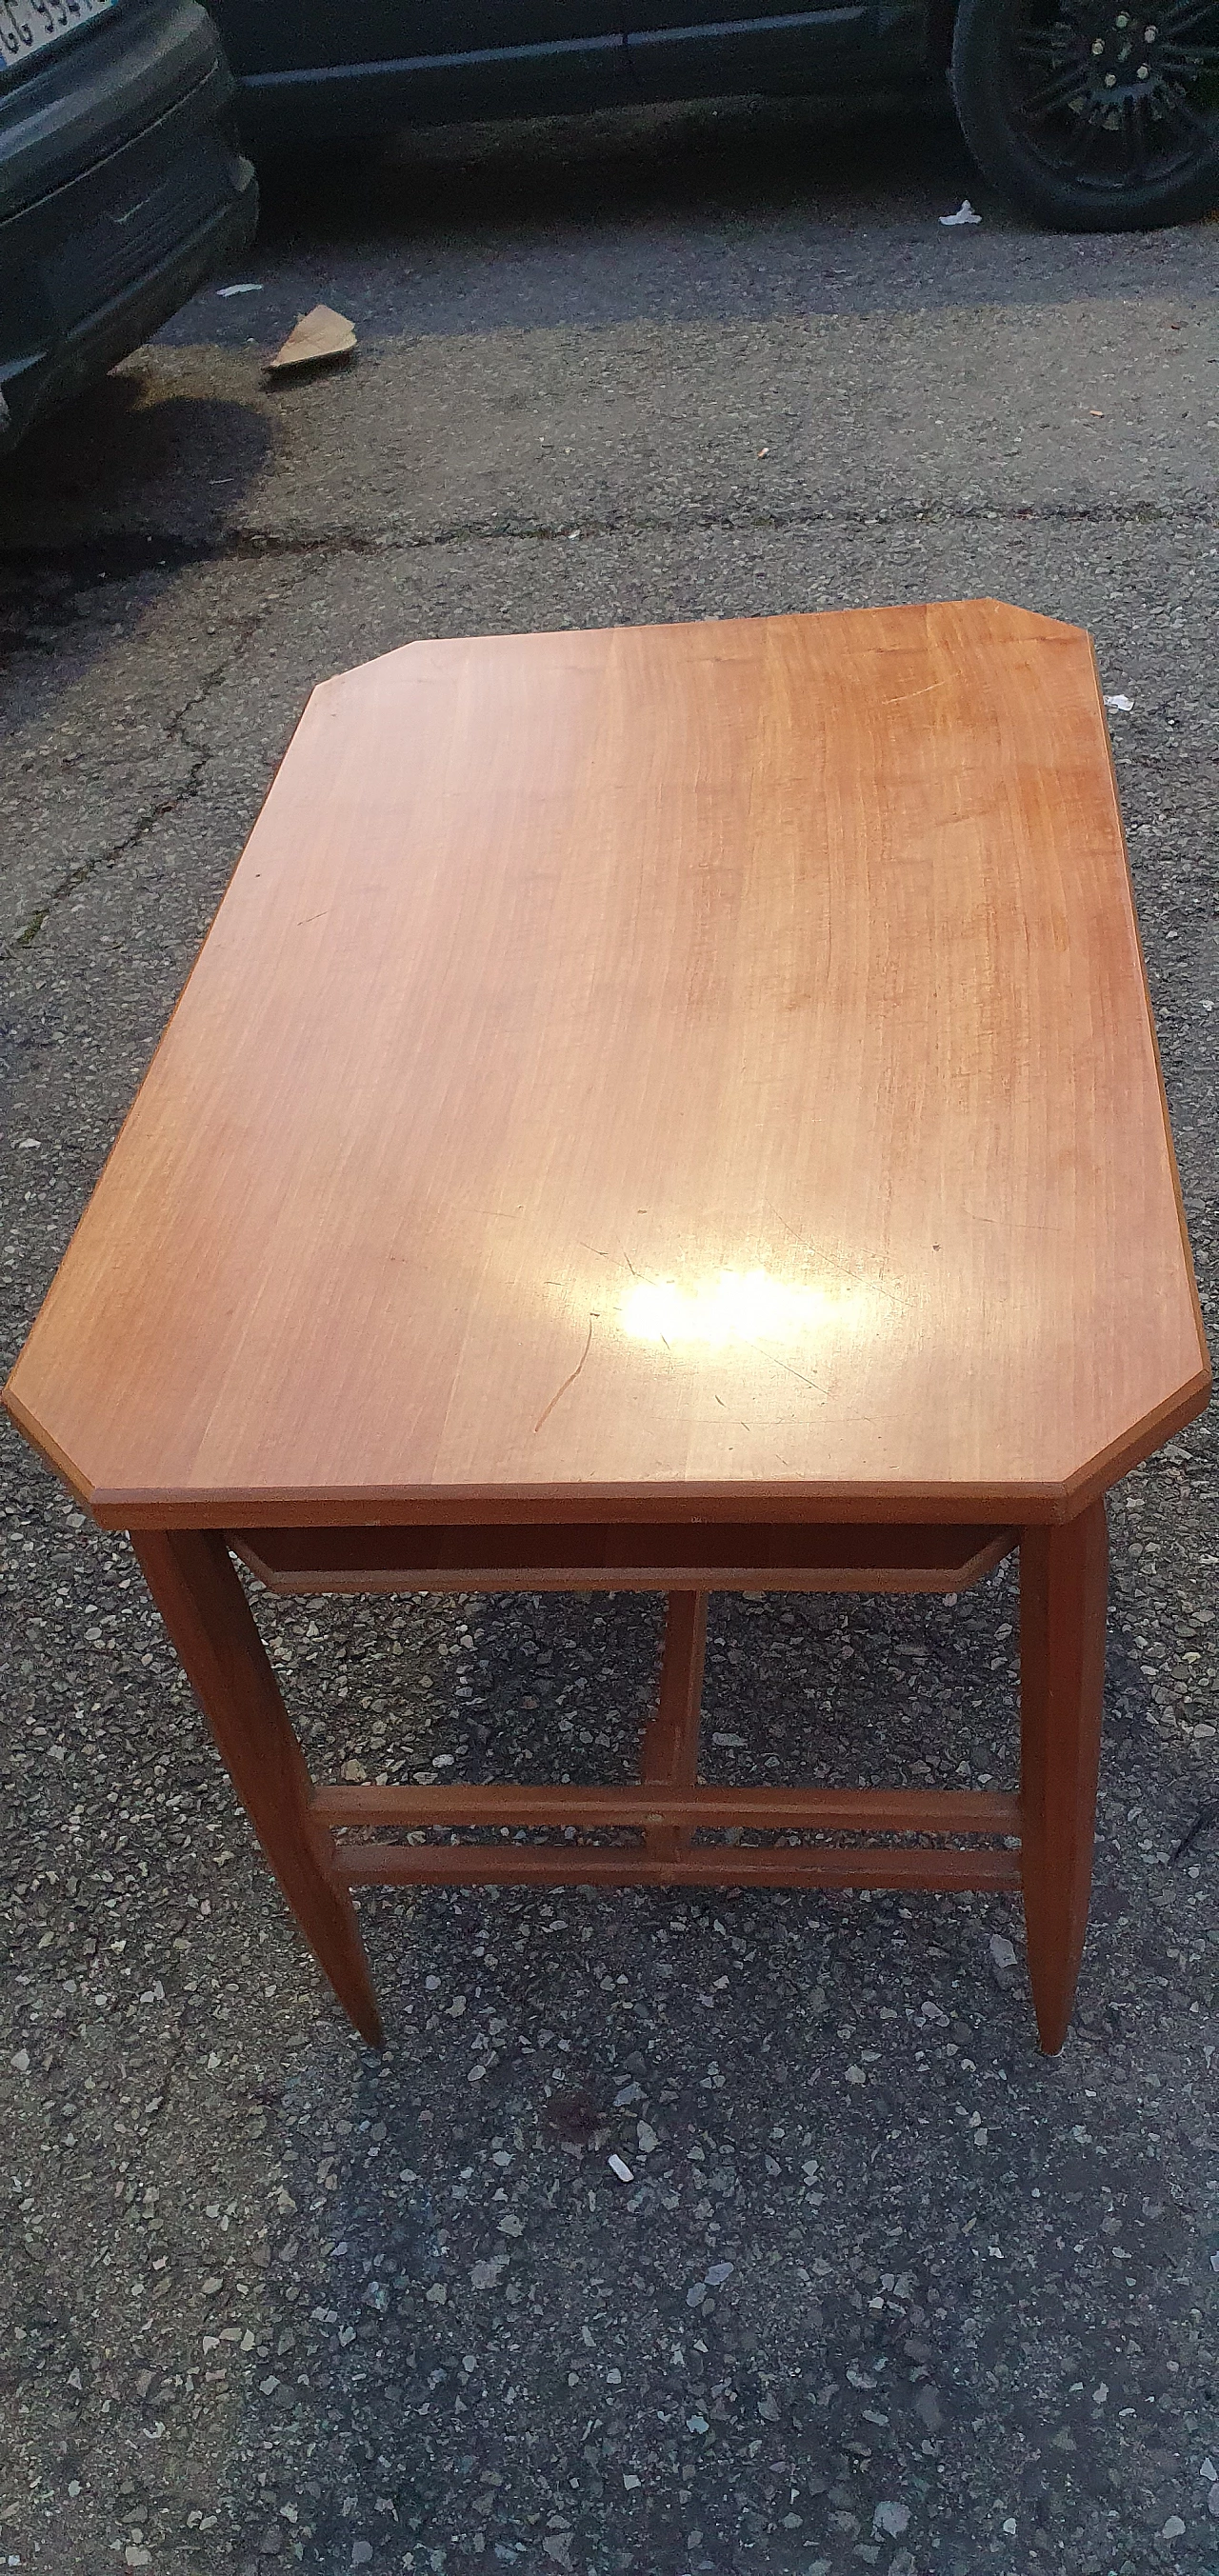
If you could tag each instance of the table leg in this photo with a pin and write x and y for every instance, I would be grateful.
(1063, 1578)
(191, 1577)
(670, 1744)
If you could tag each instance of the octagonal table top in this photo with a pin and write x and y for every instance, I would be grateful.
(675, 1068)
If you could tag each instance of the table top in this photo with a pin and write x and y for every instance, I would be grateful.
(690, 1068)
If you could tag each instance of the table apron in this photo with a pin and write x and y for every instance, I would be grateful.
(626, 1557)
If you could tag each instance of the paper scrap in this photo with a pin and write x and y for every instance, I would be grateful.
(318, 336)
(964, 215)
(248, 289)
(1121, 706)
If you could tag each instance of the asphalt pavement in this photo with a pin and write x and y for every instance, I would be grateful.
(885, 2288)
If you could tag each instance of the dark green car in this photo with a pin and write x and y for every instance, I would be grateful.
(1090, 114)
(122, 185)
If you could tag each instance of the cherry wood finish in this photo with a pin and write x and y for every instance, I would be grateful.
(1063, 1584)
(191, 1577)
(842, 1811)
(625, 1557)
(670, 1746)
(573, 1865)
(666, 1109)
(564, 974)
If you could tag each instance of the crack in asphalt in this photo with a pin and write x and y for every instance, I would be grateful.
(120, 554)
(130, 551)
(170, 803)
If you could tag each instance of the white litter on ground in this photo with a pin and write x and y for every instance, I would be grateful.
(964, 215)
(251, 289)
(1121, 706)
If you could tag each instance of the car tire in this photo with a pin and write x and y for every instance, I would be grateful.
(1098, 118)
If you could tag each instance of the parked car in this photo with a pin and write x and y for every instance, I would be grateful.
(122, 184)
(1092, 115)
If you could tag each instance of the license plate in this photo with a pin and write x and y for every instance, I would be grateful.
(27, 27)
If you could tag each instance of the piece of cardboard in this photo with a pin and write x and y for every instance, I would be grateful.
(318, 336)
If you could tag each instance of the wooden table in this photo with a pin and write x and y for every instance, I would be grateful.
(664, 1109)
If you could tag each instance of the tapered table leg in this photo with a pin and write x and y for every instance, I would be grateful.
(191, 1577)
(670, 1745)
(1063, 1582)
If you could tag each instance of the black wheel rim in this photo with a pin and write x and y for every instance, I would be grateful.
(1115, 96)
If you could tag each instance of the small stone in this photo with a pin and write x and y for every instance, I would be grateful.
(1003, 1953)
(1173, 2529)
(437, 2294)
(618, 2165)
(890, 2520)
(1010, 2526)
(20, 2061)
(1208, 2473)
(361, 2552)
(855, 2075)
(648, 2140)
(716, 2274)
(1212, 2501)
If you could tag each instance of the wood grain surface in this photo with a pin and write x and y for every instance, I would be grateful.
(705, 1064)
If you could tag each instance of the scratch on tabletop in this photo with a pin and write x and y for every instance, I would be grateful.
(568, 1381)
(764, 1354)
(794, 1231)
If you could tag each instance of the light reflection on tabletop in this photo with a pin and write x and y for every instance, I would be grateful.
(732, 1306)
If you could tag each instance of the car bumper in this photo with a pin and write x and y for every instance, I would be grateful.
(121, 188)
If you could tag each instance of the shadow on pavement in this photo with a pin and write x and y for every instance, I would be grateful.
(118, 438)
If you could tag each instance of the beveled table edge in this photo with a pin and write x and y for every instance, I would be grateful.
(341, 1506)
